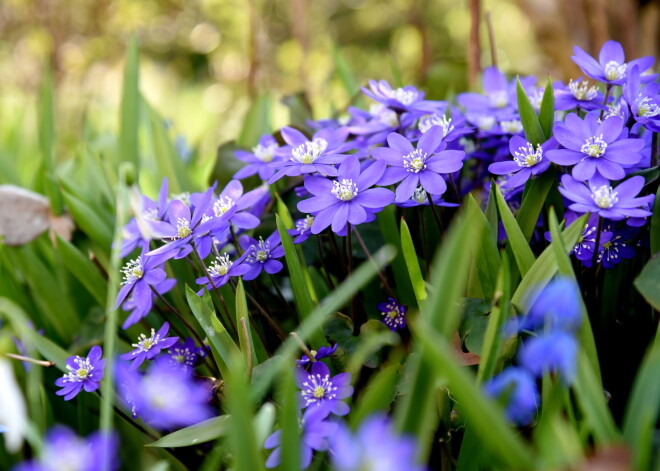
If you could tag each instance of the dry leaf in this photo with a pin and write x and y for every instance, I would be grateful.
(614, 458)
(464, 358)
(24, 215)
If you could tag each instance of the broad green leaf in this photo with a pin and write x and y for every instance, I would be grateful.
(246, 341)
(130, 107)
(291, 433)
(643, 409)
(532, 203)
(412, 263)
(517, 241)
(483, 413)
(528, 118)
(83, 269)
(488, 257)
(88, 220)
(547, 111)
(655, 225)
(648, 282)
(201, 432)
(223, 346)
(378, 395)
(256, 123)
(243, 441)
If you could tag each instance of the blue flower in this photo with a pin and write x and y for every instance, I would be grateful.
(221, 269)
(184, 355)
(555, 352)
(556, 306)
(375, 447)
(84, 373)
(148, 348)
(394, 314)
(322, 391)
(259, 159)
(518, 388)
(322, 352)
(261, 255)
(64, 450)
(611, 65)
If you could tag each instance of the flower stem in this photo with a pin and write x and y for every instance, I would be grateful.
(286, 303)
(380, 274)
(654, 150)
(598, 230)
(326, 273)
(608, 90)
(436, 215)
(303, 347)
(43, 363)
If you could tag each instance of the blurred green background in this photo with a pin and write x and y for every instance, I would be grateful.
(203, 61)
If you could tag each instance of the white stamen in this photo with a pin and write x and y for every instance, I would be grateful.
(605, 197)
(309, 151)
(594, 146)
(499, 99)
(345, 190)
(614, 71)
(415, 162)
(511, 127)
(220, 265)
(646, 108)
(261, 253)
(319, 389)
(582, 91)
(405, 97)
(133, 271)
(81, 372)
(429, 120)
(145, 343)
(265, 153)
(304, 225)
(222, 205)
(526, 156)
(182, 228)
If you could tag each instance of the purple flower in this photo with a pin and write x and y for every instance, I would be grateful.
(644, 101)
(613, 248)
(610, 203)
(319, 390)
(259, 159)
(304, 156)
(166, 397)
(554, 352)
(611, 65)
(303, 229)
(401, 99)
(221, 269)
(140, 275)
(260, 255)
(315, 434)
(184, 355)
(347, 200)
(148, 348)
(526, 162)
(420, 166)
(84, 373)
(450, 131)
(578, 93)
(556, 306)
(138, 310)
(64, 450)
(375, 447)
(394, 314)
(592, 146)
(519, 389)
(322, 352)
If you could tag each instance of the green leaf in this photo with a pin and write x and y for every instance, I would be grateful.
(488, 257)
(390, 232)
(223, 347)
(412, 263)
(344, 72)
(517, 241)
(591, 398)
(415, 412)
(648, 282)
(256, 123)
(291, 433)
(483, 413)
(99, 230)
(547, 111)
(201, 432)
(83, 269)
(130, 107)
(532, 203)
(643, 409)
(528, 118)
(378, 395)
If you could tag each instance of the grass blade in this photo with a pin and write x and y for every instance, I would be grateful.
(517, 241)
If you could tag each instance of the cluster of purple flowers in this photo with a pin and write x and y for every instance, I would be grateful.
(552, 319)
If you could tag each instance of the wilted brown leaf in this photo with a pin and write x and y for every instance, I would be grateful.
(614, 458)
(24, 215)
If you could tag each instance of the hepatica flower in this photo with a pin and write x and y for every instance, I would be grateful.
(258, 161)
(595, 147)
(556, 306)
(518, 388)
(321, 390)
(166, 397)
(83, 373)
(303, 229)
(347, 200)
(316, 155)
(140, 275)
(148, 348)
(578, 93)
(65, 451)
(221, 269)
(417, 166)
(610, 203)
(184, 355)
(555, 352)
(394, 314)
(374, 447)
(400, 99)
(261, 255)
(611, 66)
(527, 161)
(322, 352)
(315, 434)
